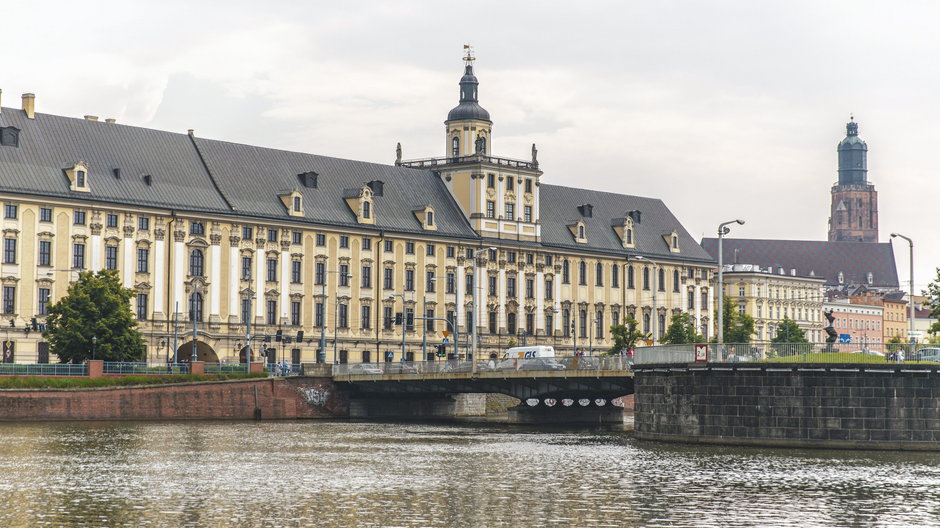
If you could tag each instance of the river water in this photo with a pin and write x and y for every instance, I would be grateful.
(342, 474)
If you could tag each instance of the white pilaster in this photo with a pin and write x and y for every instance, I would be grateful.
(234, 306)
(259, 283)
(215, 280)
(461, 295)
(179, 267)
(128, 266)
(158, 267)
(501, 290)
(285, 281)
(540, 301)
(96, 252)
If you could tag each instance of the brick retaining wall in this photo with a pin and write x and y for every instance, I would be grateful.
(271, 398)
(857, 406)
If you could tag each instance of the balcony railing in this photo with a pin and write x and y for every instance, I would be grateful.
(428, 163)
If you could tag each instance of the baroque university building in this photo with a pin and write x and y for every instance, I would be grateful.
(215, 235)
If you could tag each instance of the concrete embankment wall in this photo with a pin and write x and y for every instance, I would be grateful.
(841, 406)
(270, 398)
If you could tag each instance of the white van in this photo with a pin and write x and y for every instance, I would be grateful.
(530, 352)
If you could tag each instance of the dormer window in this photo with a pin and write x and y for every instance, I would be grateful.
(672, 240)
(625, 231)
(841, 278)
(579, 231)
(366, 210)
(9, 137)
(78, 177)
(675, 242)
(360, 202)
(870, 278)
(628, 237)
(293, 201)
(429, 218)
(425, 216)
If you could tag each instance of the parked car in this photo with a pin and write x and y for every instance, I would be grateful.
(869, 352)
(400, 368)
(530, 364)
(364, 368)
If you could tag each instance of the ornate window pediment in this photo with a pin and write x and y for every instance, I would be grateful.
(626, 232)
(361, 202)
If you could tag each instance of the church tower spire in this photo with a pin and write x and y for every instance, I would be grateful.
(854, 207)
(468, 124)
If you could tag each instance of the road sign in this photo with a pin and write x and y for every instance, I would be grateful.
(701, 353)
(446, 333)
(916, 333)
(445, 341)
(845, 338)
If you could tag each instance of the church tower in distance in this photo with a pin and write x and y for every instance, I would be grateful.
(854, 210)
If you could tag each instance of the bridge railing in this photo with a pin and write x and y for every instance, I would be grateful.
(868, 352)
(133, 367)
(574, 363)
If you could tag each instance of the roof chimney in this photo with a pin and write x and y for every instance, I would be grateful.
(29, 105)
(191, 132)
(91, 118)
(110, 120)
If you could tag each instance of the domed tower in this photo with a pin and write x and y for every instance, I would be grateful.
(468, 126)
(854, 207)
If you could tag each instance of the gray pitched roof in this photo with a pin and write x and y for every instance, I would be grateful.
(50, 144)
(251, 176)
(855, 260)
(559, 209)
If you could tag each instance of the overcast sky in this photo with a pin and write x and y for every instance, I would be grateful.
(722, 109)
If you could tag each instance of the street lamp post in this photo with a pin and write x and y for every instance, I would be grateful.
(911, 244)
(335, 310)
(404, 321)
(655, 316)
(251, 297)
(321, 353)
(473, 325)
(722, 231)
(195, 318)
(94, 346)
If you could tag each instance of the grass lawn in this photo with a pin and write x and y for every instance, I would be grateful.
(64, 382)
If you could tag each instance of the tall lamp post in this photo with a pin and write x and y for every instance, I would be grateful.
(655, 318)
(473, 325)
(404, 321)
(346, 275)
(94, 346)
(722, 231)
(248, 316)
(321, 353)
(911, 244)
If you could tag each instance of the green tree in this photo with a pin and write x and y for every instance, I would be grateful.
(933, 301)
(96, 306)
(625, 335)
(738, 327)
(789, 332)
(681, 330)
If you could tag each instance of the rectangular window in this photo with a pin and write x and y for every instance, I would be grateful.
(492, 253)
(388, 319)
(296, 271)
(272, 312)
(599, 274)
(366, 280)
(528, 185)
(143, 260)
(704, 304)
(272, 235)
(143, 223)
(549, 289)
(692, 302)
(409, 280)
(295, 313)
(451, 282)
(246, 310)
(410, 248)
(9, 250)
(493, 325)
(599, 325)
(319, 273)
(344, 274)
(582, 323)
(510, 286)
(527, 213)
(548, 260)
(247, 233)
(367, 244)
(614, 317)
(510, 211)
(141, 306)
(566, 322)
(469, 283)
(529, 258)
(45, 215)
(492, 285)
(509, 183)
(549, 323)
(614, 276)
(321, 240)
(431, 279)
(511, 257)
(365, 317)
(565, 272)
(196, 228)
(318, 314)
(410, 319)
(45, 253)
(491, 181)
(272, 270)
(343, 241)
(43, 301)
(451, 251)
(9, 299)
(387, 278)
(246, 268)
(297, 203)
(430, 250)
(9, 211)
(78, 255)
(79, 218)
(630, 283)
(389, 246)
(530, 288)
(490, 209)
(296, 237)
(110, 257)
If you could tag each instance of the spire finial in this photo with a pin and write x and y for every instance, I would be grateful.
(469, 58)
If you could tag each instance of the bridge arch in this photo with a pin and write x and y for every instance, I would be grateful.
(204, 352)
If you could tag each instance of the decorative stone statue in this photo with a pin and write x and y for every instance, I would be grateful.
(535, 155)
(398, 154)
(478, 145)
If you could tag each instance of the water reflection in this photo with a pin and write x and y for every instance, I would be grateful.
(360, 474)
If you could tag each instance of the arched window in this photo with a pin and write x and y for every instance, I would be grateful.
(662, 279)
(630, 283)
(646, 323)
(366, 209)
(429, 218)
(599, 274)
(675, 280)
(195, 307)
(629, 236)
(646, 278)
(455, 147)
(582, 273)
(581, 231)
(510, 323)
(196, 263)
(80, 178)
(565, 272)
(675, 242)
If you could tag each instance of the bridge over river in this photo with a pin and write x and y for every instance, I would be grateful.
(568, 389)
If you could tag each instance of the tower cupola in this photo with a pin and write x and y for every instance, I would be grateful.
(853, 157)
(469, 107)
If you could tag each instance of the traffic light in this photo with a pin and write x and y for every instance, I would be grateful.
(12, 324)
(440, 351)
(35, 324)
(300, 336)
(277, 336)
(398, 318)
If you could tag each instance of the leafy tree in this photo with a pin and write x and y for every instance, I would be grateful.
(625, 335)
(681, 330)
(895, 344)
(789, 332)
(96, 306)
(738, 327)
(933, 301)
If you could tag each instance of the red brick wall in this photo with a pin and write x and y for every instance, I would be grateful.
(220, 400)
